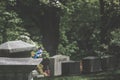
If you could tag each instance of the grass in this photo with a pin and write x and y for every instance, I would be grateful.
(107, 75)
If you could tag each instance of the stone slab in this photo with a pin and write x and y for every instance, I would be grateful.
(55, 64)
(91, 64)
(19, 61)
(71, 68)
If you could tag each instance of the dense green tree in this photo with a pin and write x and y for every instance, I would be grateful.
(42, 16)
(76, 28)
(110, 17)
(89, 23)
(109, 11)
(9, 23)
(80, 27)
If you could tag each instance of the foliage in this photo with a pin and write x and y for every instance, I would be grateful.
(69, 49)
(55, 3)
(109, 25)
(115, 37)
(86, 27)
(10, 23)
(114, 47)
(81, 18)
(45, 55)
(81, 23)
(107, 75)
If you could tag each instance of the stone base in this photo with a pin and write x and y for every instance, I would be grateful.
(71, 68)
(16, 72)
(14, 76)
(91, 64)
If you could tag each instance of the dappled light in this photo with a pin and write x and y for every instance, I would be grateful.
(79, 39)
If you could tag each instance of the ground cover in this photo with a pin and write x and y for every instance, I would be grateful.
(106, 75)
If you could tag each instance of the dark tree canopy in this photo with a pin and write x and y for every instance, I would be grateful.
(76, 28)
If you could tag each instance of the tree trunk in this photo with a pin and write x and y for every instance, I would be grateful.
(50, 30)
(46, 19)
(4, 33)
(103, 22)
(108, 20)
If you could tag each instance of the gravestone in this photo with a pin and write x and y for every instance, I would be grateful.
(108, 62)
(16, 67)
(71, 68)
(16, 49)
(56, 64)
(91, 64)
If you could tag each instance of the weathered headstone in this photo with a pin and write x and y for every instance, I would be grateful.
(108, 62)
(91, 64)
(14, 65)
(71, 68)
(16, 49)
(55, 64)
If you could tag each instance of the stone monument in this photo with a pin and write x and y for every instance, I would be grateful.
(108, 62)
(91, 64)
(15, 61)
(71, 68)
(56, 64)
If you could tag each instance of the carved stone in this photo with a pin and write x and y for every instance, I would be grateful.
(71, 68)
(91, 64)
(15, 61)
(56, 64)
